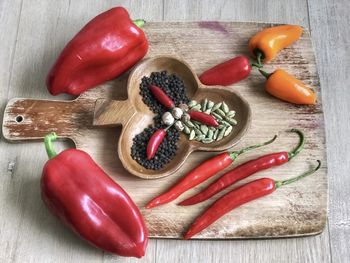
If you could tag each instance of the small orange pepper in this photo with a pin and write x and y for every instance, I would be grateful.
(286, 87)
(267, 43)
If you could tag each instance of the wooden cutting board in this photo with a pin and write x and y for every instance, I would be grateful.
(295, 210)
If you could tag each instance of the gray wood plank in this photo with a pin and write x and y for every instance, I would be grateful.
(329, 22)
(28, 232)
(274, 11)
(311, 249)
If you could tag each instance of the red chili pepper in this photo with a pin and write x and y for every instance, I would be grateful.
(103, 49)
(244, 194)
(154, 142)
(244, 170)
(201, 173)
(85, 198)
(228, 72)
(161, 96)
(204, 118)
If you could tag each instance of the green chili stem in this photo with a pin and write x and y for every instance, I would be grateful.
(292, 180)
(256, 65)
(300, 146)
(49, 138)
(265, 74)
(235, 154)
(259, 56)
(139, 22)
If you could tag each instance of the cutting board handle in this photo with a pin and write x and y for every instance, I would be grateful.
(32, 119)
(112, 112)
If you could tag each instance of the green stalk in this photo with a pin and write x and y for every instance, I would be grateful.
(297, 178)
(235, 154)
(49, 138)
(300, 147)
(265, 74)
(139, 22)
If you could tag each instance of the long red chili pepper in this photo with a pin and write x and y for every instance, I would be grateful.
(244, 194)
(204, 118)
(85, 198)
(162, 97)
(228, 72)
(201, 173)
(154, 142)
(244, 170)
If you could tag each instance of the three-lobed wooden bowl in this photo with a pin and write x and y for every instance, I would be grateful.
(135, 116)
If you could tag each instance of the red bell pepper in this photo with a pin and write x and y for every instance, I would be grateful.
(103, 49)
(228, 72)
(84, 197)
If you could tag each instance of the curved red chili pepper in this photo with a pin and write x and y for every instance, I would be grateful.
(85, 198)
(244, 170)
(246, 193)
(228, 72)
(154, 142)
(162, 97)
(204, 118)
(201, 173)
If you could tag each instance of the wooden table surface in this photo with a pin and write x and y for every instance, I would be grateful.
(32, 34)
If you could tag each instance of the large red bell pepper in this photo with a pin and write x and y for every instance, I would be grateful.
(83, 196)
(103, 49)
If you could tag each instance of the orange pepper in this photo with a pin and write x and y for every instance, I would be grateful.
(267, 43)
(286, 87)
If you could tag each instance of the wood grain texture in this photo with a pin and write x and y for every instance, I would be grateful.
(45, 27)
(332, 42)
(33, 33)
(298, 209)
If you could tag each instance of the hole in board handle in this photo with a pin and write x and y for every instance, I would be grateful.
(19, 119)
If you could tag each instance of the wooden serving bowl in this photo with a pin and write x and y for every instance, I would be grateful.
(135, 116)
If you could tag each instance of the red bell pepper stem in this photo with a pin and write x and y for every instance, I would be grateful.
(244, 194)
(244, 170)
(48, 144)
(139, 22)
(201, 173)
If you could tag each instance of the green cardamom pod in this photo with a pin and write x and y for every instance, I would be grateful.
(192, 135)
(222, 113)
(197, 131)
(186, 130)
(204, 129)
(221, 134)
(210, 104)
(210, 134)
(190, 124)
(216, 134)
(231, 114)
(196, 107)
(199, 137)
(228, 131)
(204, 104)
(216, 106)
(205, 140)
(224, 107)
(192, 103)
(217, 116)
(231, 121)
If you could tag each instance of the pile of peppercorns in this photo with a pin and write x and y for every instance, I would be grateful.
(174, 87)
